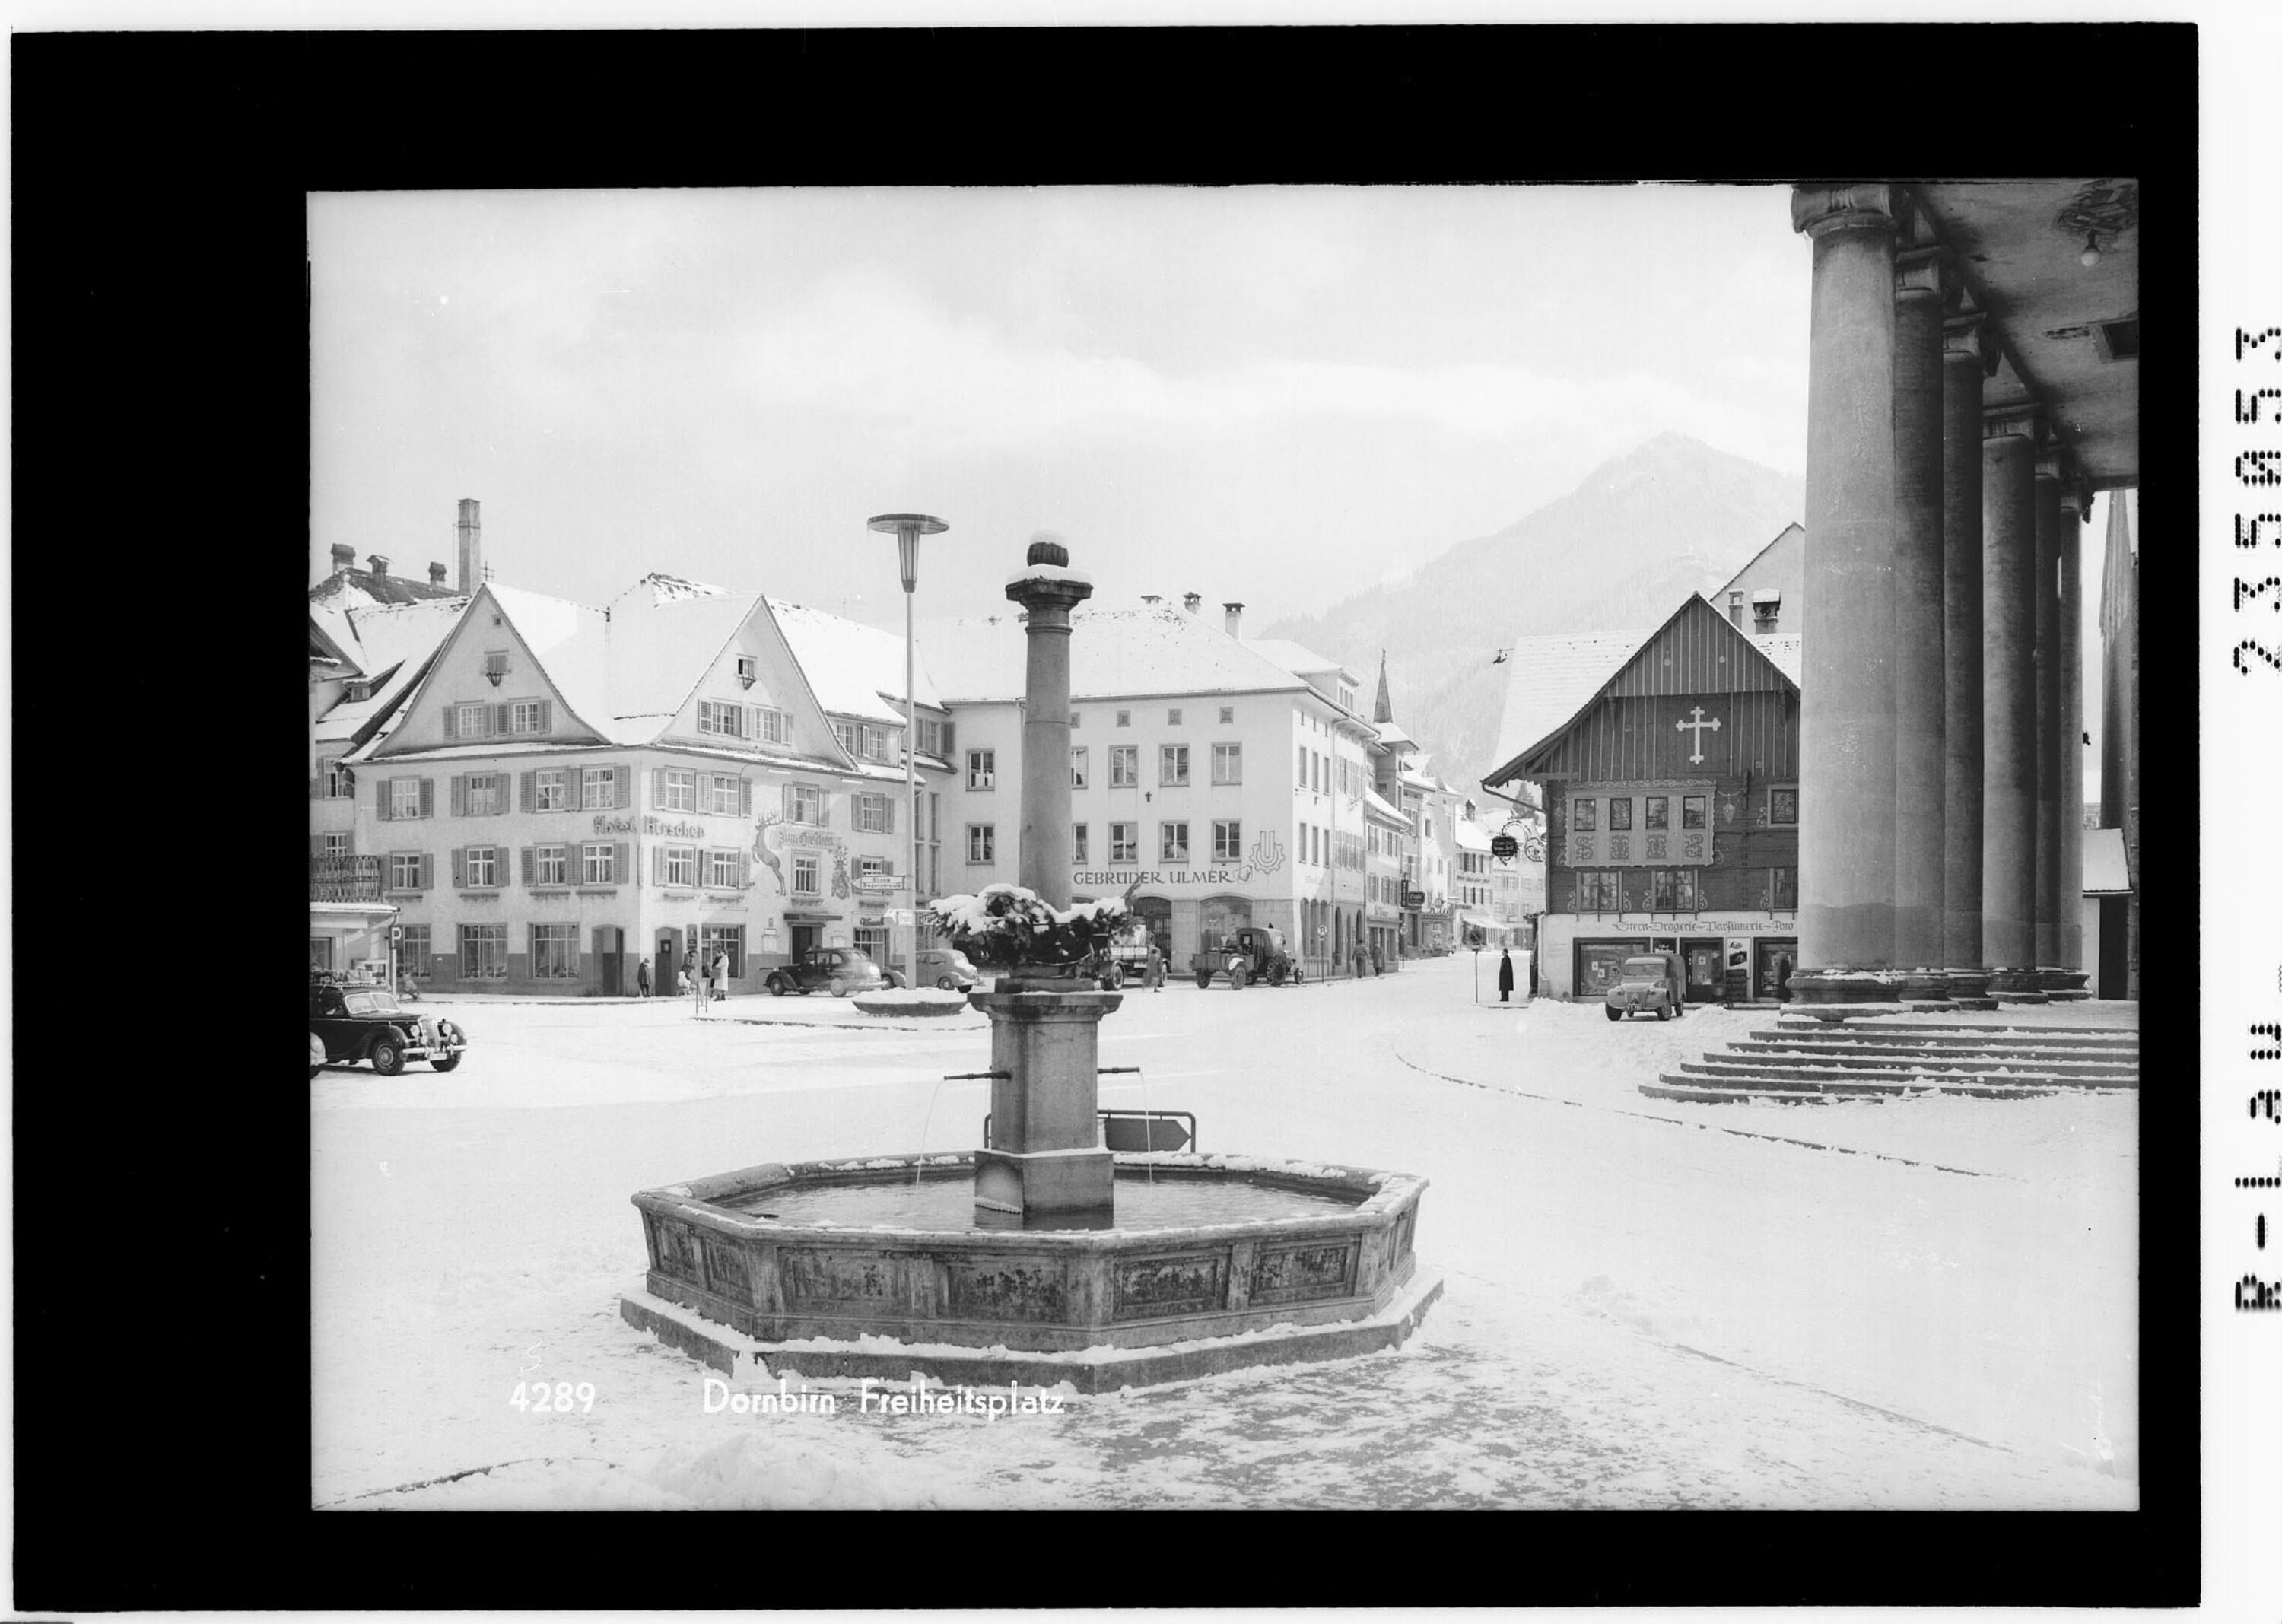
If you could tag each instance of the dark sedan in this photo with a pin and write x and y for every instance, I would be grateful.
(367, 1023)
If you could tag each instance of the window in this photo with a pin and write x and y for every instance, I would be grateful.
(1656, 813)
(728, 939)
(1620, 813)
(1662, 895)
(682, 865)
(1303, 766)
(598, 788)
(982, 843)
(550, 865)
(337, 842)
(718, 717)
(725, 796)
(1227, 763)
(405, 800)
(804, 803)
(1597, 891)
(982, 769)
(1782, 804)
(413, 954)
(679, 791)
(873, 866)
(1074, 718)
(1226, 715)
(1306, 848)
(748, 670)
(1584, 816)
(1172, 764)
(340, 783)
(805, 869)
(930, 736)
(596, 863)
(1124, 842)
(771, 726)
(407, 871)
(872, 814)
(1077, 767)
(483, 795)
(1172, 717)
(471, 721)
(1077, 843)
(1782, 887)
(527, 715)
(721, 869)
(483, 953)
(846, 733)
(554, 952)
(1691, 811)
(1172, 842)
(552, 790)
(479, 866)
(872, 941)
(883, 744)
(1228, 840)
(1124, 766)
(495, 662)
(1125, 718)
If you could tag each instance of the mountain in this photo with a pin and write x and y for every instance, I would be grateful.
(1620, 552)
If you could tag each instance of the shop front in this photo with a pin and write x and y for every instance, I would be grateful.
(1726, 959)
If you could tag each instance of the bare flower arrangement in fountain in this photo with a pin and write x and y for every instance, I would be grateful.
(1015, 928)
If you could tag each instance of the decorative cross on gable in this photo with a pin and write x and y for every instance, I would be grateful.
(1699, 724)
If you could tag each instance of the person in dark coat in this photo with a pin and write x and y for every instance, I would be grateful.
(1505, 976)
(641, 977)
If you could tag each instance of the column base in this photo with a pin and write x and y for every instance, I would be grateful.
(2015, 984)
(1968, 987)
(1840, 985)
(1063, 1182)
(1926, 989)
(2072, 987)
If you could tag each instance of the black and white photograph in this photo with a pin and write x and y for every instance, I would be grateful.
(1229, 834)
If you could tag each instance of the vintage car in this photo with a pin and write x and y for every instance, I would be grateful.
(948, 968)
(1645, 982)
(1254, 953)
(367, 1023)
(837, 970)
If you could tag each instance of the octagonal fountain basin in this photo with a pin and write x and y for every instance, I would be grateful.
(1198, 1249)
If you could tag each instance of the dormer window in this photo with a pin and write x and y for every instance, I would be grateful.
(748, 670)
(496, 666)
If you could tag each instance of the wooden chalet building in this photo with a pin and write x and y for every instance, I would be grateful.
(1669, 765)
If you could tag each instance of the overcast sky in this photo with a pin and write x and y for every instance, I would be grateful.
(1273, 394)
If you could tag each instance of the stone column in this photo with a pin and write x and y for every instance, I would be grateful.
(2009, 712)
(2075, 505)
(1967, 357)
(1925, 283)
(2051, 524)
(1047, 592)
(1846, 723)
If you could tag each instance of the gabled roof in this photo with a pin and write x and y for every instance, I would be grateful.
(1297, 658)
(1374, 801)
(1782, 537)
(1114, 653)
(362, 589)
(856, 669)
(1557, 679)
(390, 646)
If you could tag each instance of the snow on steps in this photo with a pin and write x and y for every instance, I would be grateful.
(1821, 1061)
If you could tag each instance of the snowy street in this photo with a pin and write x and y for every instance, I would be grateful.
(1648, 1304)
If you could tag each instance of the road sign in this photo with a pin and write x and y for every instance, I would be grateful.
(1503, 847)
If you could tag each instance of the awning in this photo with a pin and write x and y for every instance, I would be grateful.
(1477, 922)
(2105, 872)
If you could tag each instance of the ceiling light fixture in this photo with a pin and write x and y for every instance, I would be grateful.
(2090, 256)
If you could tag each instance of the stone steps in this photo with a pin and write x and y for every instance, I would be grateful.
(1773, 1068)
(1815, 1059)
(1959, 1058)
(1669, 1087)
(1944, 1031)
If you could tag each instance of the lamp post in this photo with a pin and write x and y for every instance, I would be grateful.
(907, 528)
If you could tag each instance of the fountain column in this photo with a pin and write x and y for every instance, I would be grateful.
(1046, 1156)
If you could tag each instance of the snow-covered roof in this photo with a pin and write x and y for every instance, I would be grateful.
(1392, 734)
(1297, 658)
(1471, 838)
(1375, 802)
(856, 669)
(390, 643)
(1552, 678)
(662, 645)
(354, 589)
(571, 642)
(1113, 653)
(1787, 649)
(1768, 594)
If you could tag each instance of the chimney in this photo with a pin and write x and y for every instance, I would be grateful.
(1191, 600)
(1735, 608)
(436, 573)
(1151, 598)
(379, 564)
(471, 545)
(344, 558)
(1235, 612)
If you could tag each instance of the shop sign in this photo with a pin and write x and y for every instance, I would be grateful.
(676, 830)
(879, 883)
(615, 825)
(1504, 847)
(1105, 878)
(1413, 899)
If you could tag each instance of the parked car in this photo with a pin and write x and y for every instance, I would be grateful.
(367, 1023)
(316, 1054)
(948, 968)
(837, 970)
(1647, 981)
(1254, 953)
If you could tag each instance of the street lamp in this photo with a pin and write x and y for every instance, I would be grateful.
(907, 528)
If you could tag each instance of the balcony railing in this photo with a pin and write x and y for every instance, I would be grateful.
(344, 879)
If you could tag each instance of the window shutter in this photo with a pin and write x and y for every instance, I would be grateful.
(527, 791)
(459, 795)
(891, 814)
(622, 862)
(947, 745)
(427, 797)
(657, 787)
(317, 785)
(316, 845)
(382, 807)
(744, 870)
(451, 721)
(530, 861)
(350, 850)
(744, 798)
(501, 721)
(427, 877)
(658, 864)
(459, 867)
(788, 802)
(626, 796)
(824, 807)
(705, 792)
(546, 716)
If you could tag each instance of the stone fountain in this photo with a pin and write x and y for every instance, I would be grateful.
(1041, 1257)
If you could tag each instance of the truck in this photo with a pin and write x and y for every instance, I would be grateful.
(1256, 953)
(1125, 957)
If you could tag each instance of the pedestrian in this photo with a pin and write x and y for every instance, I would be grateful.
(1782, 978)
(641, 977)
(720, 973)
(701, 995)
(1505, 976)
(681, 983)
(1156, 970)
(405, 989)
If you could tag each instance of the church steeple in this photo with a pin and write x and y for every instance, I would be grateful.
(1382, 709)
